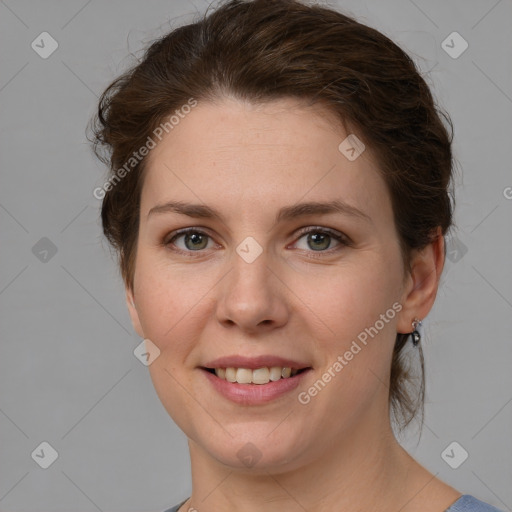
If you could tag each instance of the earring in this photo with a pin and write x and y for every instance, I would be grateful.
(416, 336)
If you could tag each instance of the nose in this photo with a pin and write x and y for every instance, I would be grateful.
(252, 296)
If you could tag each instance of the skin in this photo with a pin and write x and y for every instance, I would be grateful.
(298, 299)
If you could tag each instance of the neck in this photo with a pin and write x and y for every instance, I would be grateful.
(365, 469)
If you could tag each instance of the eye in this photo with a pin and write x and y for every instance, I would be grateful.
(193, 240)
(317, 240)
(320, 239)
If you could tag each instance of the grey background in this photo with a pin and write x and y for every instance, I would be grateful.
(68, 375)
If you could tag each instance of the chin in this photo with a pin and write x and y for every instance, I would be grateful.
(255, 454)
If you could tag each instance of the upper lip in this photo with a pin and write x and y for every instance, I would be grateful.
(237, 361)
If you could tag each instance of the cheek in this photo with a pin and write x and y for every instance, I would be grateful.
(350, 299)
(167, 301)
(359, 305)
(356, 359)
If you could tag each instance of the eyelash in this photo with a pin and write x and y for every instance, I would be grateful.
(343, 240)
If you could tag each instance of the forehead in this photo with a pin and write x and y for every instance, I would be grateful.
(234, 153)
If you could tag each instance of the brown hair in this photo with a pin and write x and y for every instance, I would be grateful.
(262, 50)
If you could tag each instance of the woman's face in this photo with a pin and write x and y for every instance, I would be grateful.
(252, 282)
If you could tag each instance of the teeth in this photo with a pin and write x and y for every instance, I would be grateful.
(230, 374)
(244, 376)
(275, 373)
(258, 376)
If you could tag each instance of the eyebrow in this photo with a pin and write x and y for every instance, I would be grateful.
(286, 213)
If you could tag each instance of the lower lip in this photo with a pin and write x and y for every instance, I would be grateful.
(254, 394)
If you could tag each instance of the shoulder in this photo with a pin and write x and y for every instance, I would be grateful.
(468, 503)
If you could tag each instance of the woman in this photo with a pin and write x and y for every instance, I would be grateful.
(278, 197)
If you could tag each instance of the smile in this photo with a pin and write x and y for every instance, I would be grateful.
(258, 376)
(270, 384)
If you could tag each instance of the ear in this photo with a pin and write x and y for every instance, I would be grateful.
(132, 309)
(422, 282)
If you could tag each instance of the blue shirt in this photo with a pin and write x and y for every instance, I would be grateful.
(466, 503)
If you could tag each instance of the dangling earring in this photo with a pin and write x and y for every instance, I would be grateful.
(416, 336)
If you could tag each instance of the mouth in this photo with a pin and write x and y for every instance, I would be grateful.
(255, 386)
(257, 376)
